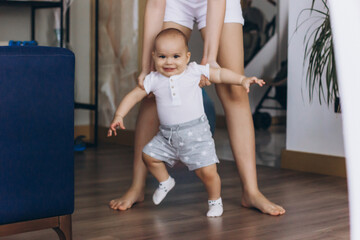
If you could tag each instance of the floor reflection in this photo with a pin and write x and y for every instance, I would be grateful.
(269, 144)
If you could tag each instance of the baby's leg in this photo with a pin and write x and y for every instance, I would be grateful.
(159, 171)
(211, 180)
(156, 167)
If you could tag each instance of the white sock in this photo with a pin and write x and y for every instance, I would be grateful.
(163, 189)
(215, 208)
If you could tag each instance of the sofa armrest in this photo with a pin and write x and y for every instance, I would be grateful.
(36, 133)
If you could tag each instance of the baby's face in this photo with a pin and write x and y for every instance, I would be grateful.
(170, 56)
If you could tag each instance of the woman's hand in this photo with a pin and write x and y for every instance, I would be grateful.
(204, 81)
(141, 78)
(213, 64)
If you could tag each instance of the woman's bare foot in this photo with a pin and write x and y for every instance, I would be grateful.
(259, 201)
(125, 202)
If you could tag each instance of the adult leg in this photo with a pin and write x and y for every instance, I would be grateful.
(146, 127)
(239, 120)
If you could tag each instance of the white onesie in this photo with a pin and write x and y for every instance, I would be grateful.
(178, 98)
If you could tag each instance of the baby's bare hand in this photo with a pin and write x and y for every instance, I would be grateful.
(117, 122)
(251, 80)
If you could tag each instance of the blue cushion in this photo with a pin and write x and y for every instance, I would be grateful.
(36, 133)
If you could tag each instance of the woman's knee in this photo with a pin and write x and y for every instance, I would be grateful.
(231, 93)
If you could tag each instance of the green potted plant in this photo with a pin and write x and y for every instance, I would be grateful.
(319, 52)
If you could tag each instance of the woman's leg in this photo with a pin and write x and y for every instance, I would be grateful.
(146, 127)
(239, 120)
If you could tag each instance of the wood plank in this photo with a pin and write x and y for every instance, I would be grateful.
(314, 163)
(34, 225)
(317, 205)
(64, 230)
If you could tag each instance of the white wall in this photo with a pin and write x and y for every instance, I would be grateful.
(310, 127)
(11, 29)
(347, 51)
(15, 24)
(266, 57)
(80, 40)
(267, 8)
(282, 30)
(263, 65)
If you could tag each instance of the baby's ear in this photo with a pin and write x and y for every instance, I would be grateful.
(188, 55)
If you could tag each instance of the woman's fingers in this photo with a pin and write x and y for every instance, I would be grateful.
(141, 79)
(204, 81)
(141, 83)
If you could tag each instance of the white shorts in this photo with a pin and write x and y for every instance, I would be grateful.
(186, 12)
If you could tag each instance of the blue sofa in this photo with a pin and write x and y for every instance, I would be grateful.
(36, 139)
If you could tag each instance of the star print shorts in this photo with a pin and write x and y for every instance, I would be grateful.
(190, 142)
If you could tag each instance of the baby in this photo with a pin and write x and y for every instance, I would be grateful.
(184, 129)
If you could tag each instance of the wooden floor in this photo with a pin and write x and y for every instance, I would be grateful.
(317, 205)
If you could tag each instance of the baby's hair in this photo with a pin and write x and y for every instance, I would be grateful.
(172, 32)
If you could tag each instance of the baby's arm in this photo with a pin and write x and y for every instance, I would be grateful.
(133, 97)
(223, 75)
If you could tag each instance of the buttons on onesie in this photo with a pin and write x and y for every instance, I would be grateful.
(174, 92)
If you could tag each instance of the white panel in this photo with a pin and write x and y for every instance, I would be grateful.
(311, 127)
(80, 40)
(345, 22)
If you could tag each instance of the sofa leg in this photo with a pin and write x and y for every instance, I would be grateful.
(64, 230)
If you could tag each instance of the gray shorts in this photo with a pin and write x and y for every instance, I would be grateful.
(190, 143)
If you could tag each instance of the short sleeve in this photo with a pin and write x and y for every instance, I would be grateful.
(200, 69)
(149, 82)
(205, 70)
